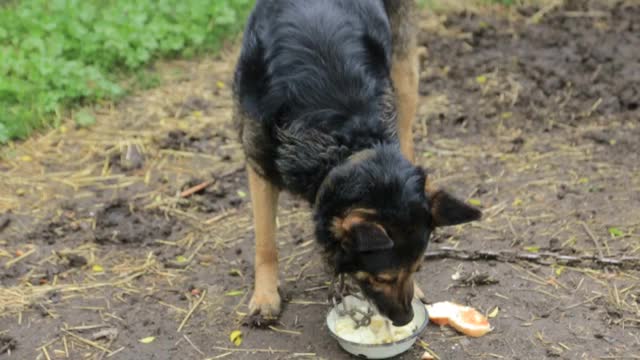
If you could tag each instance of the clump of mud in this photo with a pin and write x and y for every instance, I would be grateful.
(120, 223)
(222, 195)
(214, 142)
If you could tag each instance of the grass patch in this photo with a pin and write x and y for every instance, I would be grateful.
(60, 53)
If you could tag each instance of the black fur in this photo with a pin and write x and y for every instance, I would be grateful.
(389, 184)
(313, 81)
(316, 115)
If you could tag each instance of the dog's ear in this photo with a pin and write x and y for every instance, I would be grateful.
(446, 210)
(358, 232)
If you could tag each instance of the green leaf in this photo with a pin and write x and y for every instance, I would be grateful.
(493, 313)
(235, 272)
(234, 293)
(475, 202)
(482, 79)
(615, 232)
(147, 340)
(532, 249)
(84, 119)
(236, 337)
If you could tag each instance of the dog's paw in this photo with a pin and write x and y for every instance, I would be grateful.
(418, 294)
(264, 307)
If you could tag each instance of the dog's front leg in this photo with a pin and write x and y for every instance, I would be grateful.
(265, 302)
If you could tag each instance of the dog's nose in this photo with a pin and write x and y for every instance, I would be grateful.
(403, 318)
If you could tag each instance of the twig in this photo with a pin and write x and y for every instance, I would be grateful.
(543, 258)
(87, 342)
(193, 345)
(250, 350)
(12, 262)
(593, 238)
(46, 353)
(544, 11)
(284, 331)
(192, 190)
(193, 308)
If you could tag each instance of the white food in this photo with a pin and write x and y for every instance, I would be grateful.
(379, 331)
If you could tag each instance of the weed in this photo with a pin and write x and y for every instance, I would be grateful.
(59, 53)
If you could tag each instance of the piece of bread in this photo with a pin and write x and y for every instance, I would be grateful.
(466, 320)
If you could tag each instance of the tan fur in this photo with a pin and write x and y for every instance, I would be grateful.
(404, 68)
(395, 284)
(341, 226)
(264, 198)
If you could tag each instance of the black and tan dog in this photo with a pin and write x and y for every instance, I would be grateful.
(326, 93)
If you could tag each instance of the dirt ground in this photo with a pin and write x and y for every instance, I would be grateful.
(537, 122)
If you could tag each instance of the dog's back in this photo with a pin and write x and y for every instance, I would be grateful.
(313, 86)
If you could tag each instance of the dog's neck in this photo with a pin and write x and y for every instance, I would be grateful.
(306, 159)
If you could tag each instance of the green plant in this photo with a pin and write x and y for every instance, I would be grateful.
(59, 53)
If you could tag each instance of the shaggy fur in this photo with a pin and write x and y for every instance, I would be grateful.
(316, 113)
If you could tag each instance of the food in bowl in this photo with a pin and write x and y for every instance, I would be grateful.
(377, 329)
(378, 350)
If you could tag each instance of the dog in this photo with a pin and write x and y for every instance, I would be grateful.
(325, 96)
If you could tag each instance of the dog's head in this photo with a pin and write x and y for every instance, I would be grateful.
(375, 215)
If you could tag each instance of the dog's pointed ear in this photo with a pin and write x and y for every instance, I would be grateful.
(446, 210)
(358, 232)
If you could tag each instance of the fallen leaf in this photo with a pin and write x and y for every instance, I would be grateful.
(220, 85)
(242, 194)
(481, 79)
(517, 202)
(615, 232)
(475, 202)
(147, 340)
(559, 270)
(235, 272)
(236, 337)
(181, 259)
(583, 180)
(97, 268)
(532, 249)
(26, 158)
(493, 312)
(234, 293)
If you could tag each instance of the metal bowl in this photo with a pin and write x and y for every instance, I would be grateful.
(381, 351)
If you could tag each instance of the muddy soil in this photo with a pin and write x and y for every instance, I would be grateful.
(102, 256)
